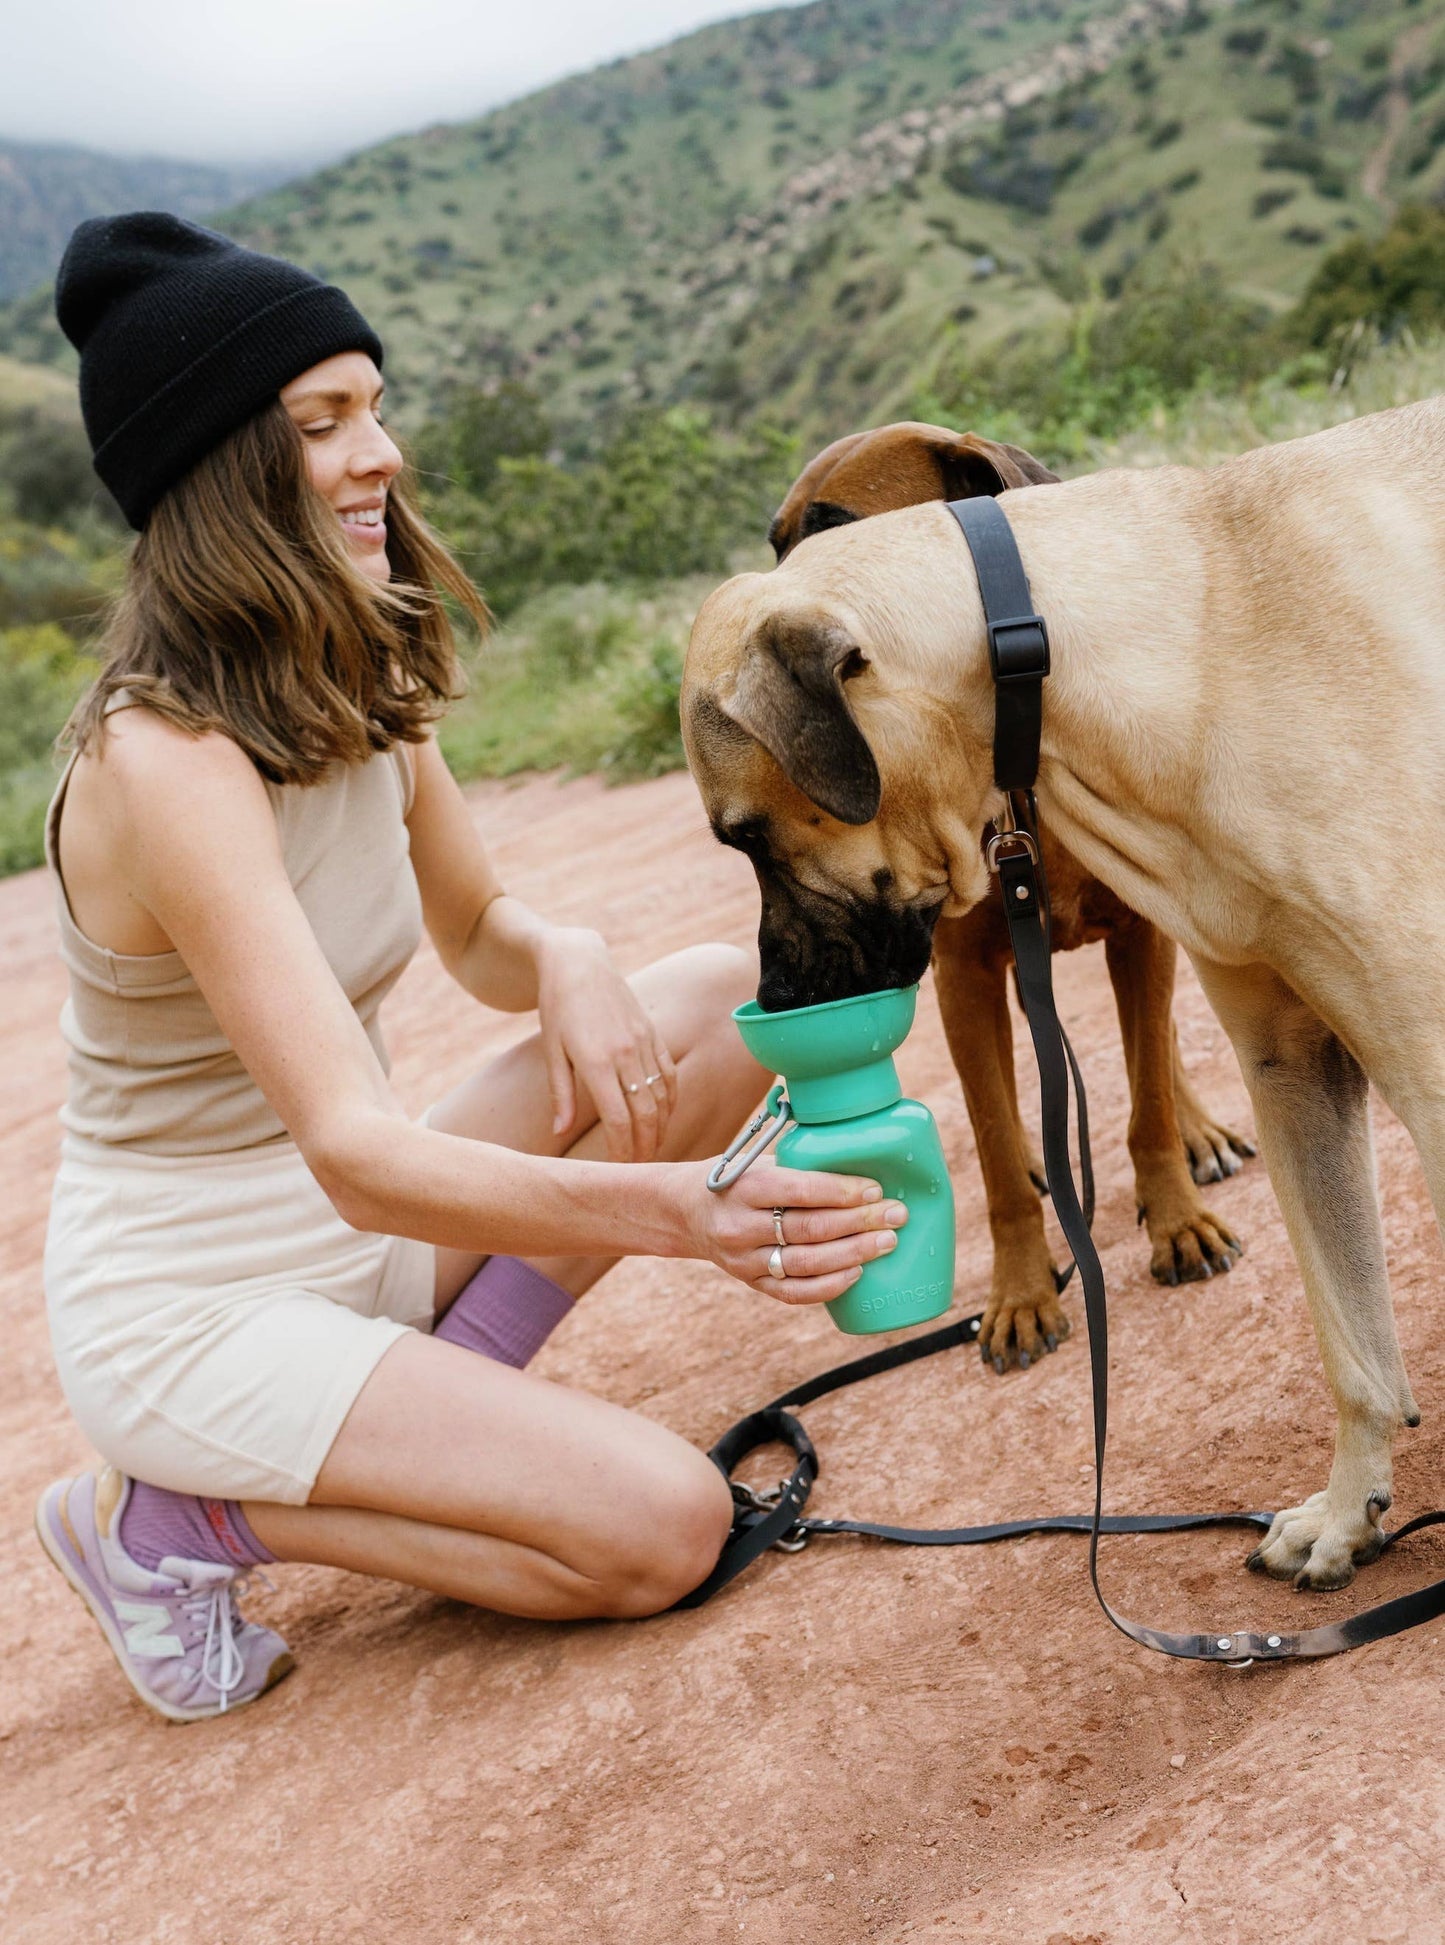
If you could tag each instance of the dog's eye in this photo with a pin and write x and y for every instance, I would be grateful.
(750, 836)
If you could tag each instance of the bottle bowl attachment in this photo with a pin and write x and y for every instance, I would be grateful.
(811, 1042)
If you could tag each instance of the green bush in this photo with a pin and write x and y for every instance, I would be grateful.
(45, 470)
(668, 495)
(41, 674)
(584, 678)
(1175, 326)
(1393, 284)
(645, 700)
(480, 429)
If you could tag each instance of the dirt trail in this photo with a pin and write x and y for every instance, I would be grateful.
(1376, 172)
(853, 1744)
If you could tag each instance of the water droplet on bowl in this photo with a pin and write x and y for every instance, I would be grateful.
(909, 1156)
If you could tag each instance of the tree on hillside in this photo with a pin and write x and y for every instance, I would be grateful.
(1395, 283)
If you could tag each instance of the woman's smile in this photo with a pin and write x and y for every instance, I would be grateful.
(365, 524)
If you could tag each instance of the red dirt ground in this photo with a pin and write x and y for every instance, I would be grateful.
(857, 1743)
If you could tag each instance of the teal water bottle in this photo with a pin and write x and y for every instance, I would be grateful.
(840, 1107)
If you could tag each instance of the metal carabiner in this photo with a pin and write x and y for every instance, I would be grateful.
(764, 1128)
(762, 1499)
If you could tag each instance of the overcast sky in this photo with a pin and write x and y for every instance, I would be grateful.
(298, 80)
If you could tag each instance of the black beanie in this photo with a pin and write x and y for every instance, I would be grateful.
(183, 336)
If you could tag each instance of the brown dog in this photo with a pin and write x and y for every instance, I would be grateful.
(1171, 1134)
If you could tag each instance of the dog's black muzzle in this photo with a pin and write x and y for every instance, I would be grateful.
(816, 947)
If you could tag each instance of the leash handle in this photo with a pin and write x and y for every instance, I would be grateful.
(740, 1154)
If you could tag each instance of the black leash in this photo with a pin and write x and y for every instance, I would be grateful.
(1019, 654)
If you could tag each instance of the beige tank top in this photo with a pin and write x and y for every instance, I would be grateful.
(149, 1067)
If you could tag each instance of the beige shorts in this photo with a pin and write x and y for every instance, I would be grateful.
(213, 1317)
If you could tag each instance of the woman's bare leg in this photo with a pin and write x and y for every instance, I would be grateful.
(461, 1475)
(466, 1477)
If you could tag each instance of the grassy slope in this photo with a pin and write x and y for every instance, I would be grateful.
(760, 214)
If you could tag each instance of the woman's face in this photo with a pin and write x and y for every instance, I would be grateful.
(350, 457)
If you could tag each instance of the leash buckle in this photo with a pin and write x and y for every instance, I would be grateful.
(1014, 843)
(1018, 648)
(740, 1154)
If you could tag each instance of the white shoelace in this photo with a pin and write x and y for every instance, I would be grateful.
(222, 1664)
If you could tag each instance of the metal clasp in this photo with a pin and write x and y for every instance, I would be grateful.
(763, 1499)
(764, 1128)
(1016, 839)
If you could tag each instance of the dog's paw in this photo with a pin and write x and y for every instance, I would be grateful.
(1214, 1151)
(1021, 1330)
(1190, 1247)
(1318, 1547)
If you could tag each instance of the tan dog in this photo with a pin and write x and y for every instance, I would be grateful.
(1244, 738)
(1172, 1137)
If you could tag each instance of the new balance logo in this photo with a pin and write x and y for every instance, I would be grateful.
(145, 1631)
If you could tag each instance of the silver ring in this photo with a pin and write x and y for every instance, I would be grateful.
(778, 1215)
(775, 1265)
(632, 1087)
(651, 1080)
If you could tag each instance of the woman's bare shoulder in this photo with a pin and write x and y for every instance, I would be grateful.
(139, 749)
(149, 810)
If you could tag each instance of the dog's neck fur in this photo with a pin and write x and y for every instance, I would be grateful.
(1159, 695)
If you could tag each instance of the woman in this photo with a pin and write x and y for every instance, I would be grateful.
(268, 1289)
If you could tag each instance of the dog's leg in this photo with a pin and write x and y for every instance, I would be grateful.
(1024, 1316)
(1214, 1150)
(1187, 1241)
(1311, 1109)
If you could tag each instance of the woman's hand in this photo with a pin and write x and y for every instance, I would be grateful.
(832, 1225)
(597, 1036)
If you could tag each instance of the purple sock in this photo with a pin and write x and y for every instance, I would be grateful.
(507, 1311)
(158, 1524)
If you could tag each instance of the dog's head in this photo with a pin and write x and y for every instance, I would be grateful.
(838, 727)
(835, 723)
(896, 466)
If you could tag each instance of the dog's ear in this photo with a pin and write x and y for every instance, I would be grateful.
(975, 468)
(786, 529)
(791, 698)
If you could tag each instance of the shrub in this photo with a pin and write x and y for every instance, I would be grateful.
(1392, 284)
(45, 470)
(645, 699)
(667, 495)
(480, 429)
(1175, 325)
(1269, 200)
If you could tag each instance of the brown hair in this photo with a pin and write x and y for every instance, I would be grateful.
(243, 612)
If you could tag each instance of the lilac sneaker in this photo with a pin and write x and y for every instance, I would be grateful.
(177, 1633)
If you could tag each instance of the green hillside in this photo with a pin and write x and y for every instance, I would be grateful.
(47, 188)
(618, 314)
(786, 214)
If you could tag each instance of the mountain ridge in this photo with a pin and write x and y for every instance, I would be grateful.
(788, 215)
(46, 188)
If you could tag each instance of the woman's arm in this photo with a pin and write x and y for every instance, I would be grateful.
(594, 1031)
(201, 853)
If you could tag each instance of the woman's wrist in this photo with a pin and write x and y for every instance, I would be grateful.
(557, 946)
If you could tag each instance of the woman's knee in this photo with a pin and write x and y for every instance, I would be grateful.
(714, 978)
(675, 1533)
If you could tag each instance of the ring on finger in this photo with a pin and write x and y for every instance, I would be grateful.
(651, 1080)
(775, 1264)
(778, 1215)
